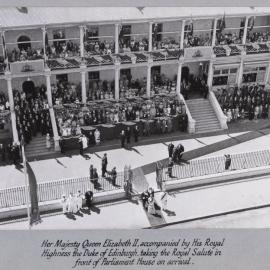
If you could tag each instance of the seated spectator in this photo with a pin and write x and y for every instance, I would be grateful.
(23, 55)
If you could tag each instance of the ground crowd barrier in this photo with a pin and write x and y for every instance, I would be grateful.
(216, 165)
(53, 190)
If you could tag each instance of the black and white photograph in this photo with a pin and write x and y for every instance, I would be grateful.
(134, 117)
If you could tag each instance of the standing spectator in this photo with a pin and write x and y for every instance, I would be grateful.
(122, 138)
(136, 133)
(170, 149)
(114, 175)
(95, 178)
(81, 146)
(91, 172)
(104, 163)
(48, 141)
(144, 198)
(228, 162)
(151, 206)
(128, 134)
(180, 152)
(64, 203)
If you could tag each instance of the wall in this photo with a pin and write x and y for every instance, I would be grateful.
(3, 86)
(170, 71)
(193, 68)
(33, 34)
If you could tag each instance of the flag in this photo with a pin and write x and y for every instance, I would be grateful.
(4, 49)
(223, 23)
(251, 22)
(191, 28)
(140, 9)
(22, 10)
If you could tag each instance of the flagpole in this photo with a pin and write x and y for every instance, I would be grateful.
(27, 199)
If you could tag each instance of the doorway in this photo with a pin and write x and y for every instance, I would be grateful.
(28, 88)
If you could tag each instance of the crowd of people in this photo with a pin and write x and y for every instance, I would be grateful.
(72, 117)
(64, 92)
(100, 90)
(96, 47)
(194, 84)
(24, 54)
(228, 38)
(195, 40)
(32, 114)
(62, 49)
(259, 37)
(249, 101)
(133, 45)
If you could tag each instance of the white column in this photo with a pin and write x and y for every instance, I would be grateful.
(116, 37)
(182, 35)
(210, 75)
(12, 112)
(267, 74)
(44, 42)
(148, 83)
(179, 75)
(48, 85)
(240, 73)
(214, 33)
(245, 32)
(116, 80)
(82, 27)
(83, 83)
(150, 38)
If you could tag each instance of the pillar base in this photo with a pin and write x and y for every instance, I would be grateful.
(57, 145)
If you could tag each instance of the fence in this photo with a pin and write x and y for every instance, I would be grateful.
(215, 165)
(53, 190)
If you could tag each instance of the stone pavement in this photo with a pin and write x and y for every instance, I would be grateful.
(183, 208)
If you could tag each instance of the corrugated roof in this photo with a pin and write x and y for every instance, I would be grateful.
(11, 17)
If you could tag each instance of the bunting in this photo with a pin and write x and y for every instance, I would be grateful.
(4, 49)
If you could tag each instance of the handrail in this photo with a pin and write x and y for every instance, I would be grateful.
(191, 120)
(219, 113)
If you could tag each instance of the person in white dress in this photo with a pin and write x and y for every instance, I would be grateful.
(64, 203)
(72, 204)
(48, 141)
(151, 206)
(79, 200)
(164, 200)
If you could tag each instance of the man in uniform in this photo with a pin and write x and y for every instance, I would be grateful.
(104, 163)
(122, 138)
(170, 167)
(170, 149)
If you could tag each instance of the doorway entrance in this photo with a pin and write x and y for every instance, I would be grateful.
(28, 88)
(24, 42)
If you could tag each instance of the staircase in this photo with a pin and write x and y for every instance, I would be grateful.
(202, 112)
(37, 147)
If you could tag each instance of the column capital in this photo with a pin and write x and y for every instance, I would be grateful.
(8, 75)
(47, 72)
(43, 28)
(83, 67)
(82, 26)
(181, 60)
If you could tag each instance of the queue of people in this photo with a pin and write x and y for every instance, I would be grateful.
(249, 101)
(32, 114)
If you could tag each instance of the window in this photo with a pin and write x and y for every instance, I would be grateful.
(156, 70)
(93, 76)
(220, 80)
(217, 72)
(92, 33)
(225, 71)
(233, 70)
(250, 77)
(58, 35)
(126, 72)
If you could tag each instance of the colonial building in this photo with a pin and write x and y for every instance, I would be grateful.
(40, 46)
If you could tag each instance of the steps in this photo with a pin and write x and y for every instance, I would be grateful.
(37, 147)
(202, 112)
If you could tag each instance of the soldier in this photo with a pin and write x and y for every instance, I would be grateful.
(170, 149)
(136, 133)
(122, 138)
(104, 164)
(170, 167)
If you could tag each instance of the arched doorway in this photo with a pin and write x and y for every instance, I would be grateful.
(185, 74)
(24, 42)
(28, 88)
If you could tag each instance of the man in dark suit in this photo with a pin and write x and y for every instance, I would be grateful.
(128, 135)
(136, 133)
(122, 138)
(89, 198)
(170, 149)
(104, 163)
